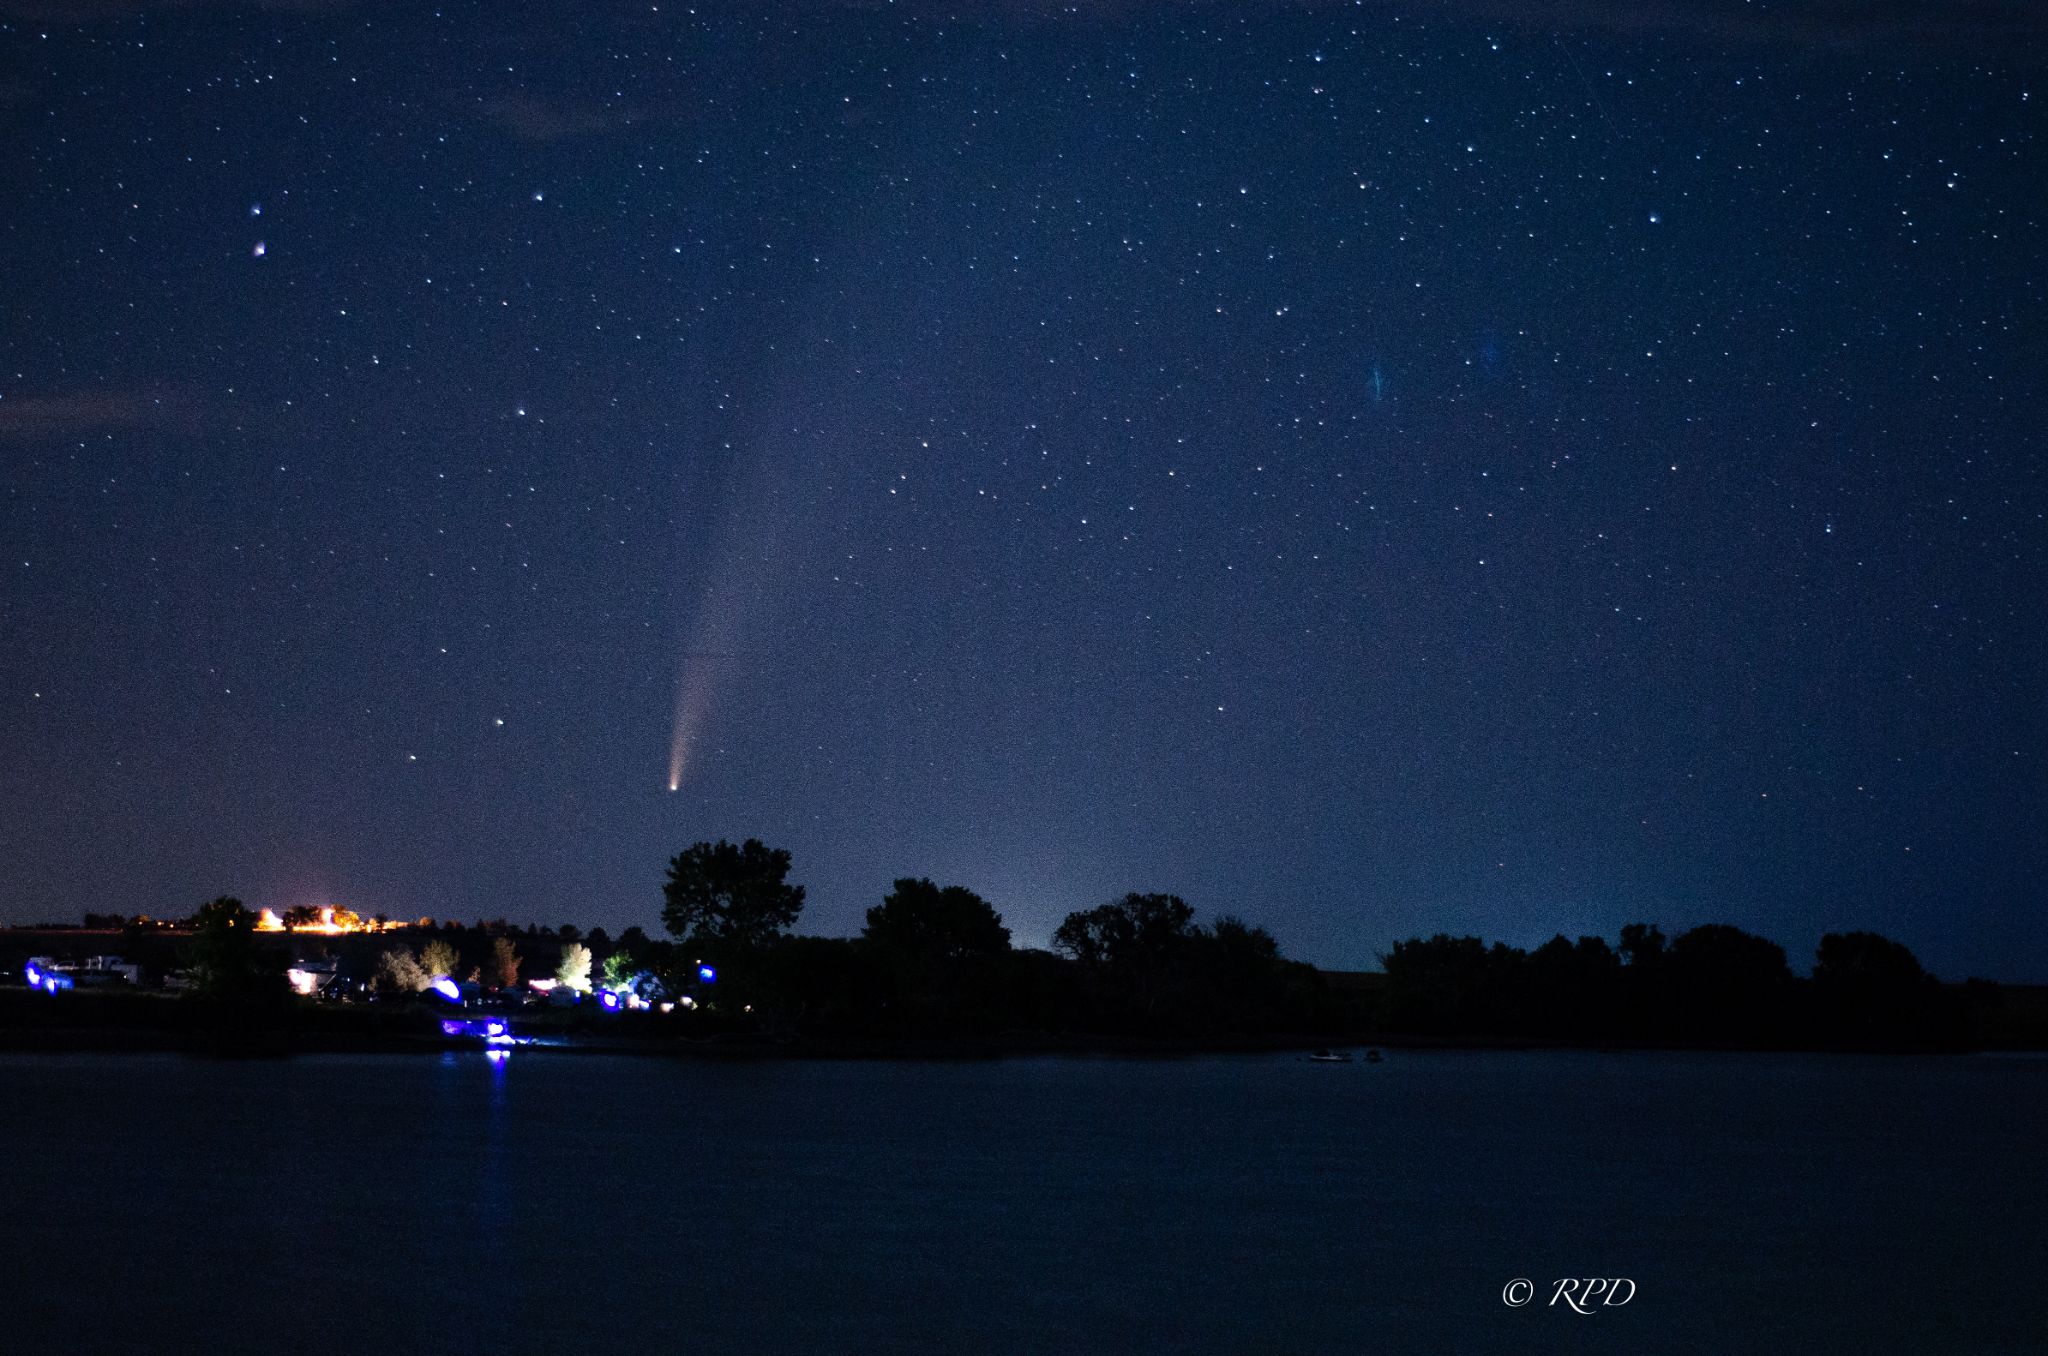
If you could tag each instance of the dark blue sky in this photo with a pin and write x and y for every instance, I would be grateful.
(1373, 470)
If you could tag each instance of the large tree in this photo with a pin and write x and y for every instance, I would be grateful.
(1134, 950)
(400, 971)
(440, 959)
(1135, 931)
(725, 900)
(937, 923)
(1724, 984)
(574, 971)
(504, 963)
(1871, 990)
(227, 959)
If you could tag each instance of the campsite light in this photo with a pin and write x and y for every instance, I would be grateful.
(447, 988)
(707, 974)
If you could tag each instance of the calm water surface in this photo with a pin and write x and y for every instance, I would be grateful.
(1265, 1204)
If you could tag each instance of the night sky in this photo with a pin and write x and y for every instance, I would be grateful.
(1376, 470)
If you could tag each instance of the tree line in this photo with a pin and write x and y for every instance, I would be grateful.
(1713, 985)
(937, 960)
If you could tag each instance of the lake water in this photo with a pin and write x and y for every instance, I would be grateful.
(1257, 1204)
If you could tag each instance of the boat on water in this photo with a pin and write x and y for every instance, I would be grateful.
(1330, 1057)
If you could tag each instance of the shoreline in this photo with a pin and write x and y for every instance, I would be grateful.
(279, 1043)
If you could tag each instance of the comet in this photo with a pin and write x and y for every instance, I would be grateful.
(744, 523)
(695, 686)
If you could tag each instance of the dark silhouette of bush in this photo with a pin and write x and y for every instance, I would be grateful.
(1714, 985)
(1727, 985)
(229, 962)
(1453, 986)
(822, 985)
(1128, 951)
(1572, 989)
(936, 924)
(1147, 968)
(1870, 991)
(1241, 984)
(938, 959)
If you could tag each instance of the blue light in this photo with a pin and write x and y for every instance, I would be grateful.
(707, 974)
(53, 983)
(494, 1028)
(447, 988)
(498, 1057)
(35, 976)
(608, 998)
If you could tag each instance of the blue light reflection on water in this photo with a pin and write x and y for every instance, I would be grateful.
(1759, 1203)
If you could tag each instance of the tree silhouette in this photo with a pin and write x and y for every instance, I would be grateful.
(1132, 950)
(1136, 931)
(1237, 980)
(1641, 944)
(934, 923)
(1870, 990)
(1570, 988)
(1724, 983)
(227, 961)
(726, 900)
(1452, 984)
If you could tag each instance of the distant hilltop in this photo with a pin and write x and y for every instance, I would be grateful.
(326, 920)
